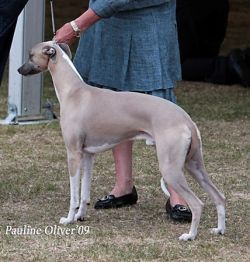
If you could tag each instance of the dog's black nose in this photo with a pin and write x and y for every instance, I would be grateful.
(27, 69)
(24, 69)
(19, 70)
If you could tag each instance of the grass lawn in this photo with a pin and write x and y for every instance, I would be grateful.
(34, 186)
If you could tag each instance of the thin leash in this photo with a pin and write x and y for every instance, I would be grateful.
(52, 18)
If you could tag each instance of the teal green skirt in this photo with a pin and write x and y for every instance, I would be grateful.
(132, 51)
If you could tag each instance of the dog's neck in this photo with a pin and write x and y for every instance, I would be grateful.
(63, 68)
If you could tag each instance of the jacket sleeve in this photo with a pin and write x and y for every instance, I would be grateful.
(107, 8)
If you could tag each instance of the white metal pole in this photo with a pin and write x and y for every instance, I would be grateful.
(25, 93)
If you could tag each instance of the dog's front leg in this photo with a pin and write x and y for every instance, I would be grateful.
(85, 186)
(74, 166)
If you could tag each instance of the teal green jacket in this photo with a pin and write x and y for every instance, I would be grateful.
(134, 48)
(107, 8)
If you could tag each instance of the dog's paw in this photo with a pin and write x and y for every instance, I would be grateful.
(186, 237)
(65, 221)
(217, 231)
(79, 217)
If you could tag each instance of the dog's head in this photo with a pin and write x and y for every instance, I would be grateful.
(41, 55)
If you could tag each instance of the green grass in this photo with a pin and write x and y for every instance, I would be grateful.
(34, 185)
(34, 191)
(214, 102)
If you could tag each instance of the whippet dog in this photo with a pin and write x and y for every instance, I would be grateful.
(94, 120)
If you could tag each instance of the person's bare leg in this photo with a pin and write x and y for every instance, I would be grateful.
(123, 167)
(124, 181)
(175, 198)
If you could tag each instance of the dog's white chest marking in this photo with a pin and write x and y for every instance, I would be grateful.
(57, 94)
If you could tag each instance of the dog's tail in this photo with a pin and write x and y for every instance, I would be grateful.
(164, 188)
(195, 142)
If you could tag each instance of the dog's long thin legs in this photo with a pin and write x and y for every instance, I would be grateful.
(85, 186)
(196, 168)
(74, 166)
(179, 184)
(172, 156)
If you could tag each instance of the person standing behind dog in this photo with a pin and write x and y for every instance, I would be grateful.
(201, 31)
(9, 12)
(132, 47)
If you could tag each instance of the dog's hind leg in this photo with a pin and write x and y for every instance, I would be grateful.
(85, 186)
(197, 169)
(74, 166)
(175, 178)
(171, 152)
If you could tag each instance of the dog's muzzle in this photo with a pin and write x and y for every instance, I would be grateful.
(28, 69)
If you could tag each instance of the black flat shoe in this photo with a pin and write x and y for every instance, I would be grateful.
(111, 201)
(179, 213)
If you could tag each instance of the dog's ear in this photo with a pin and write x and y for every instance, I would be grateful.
(66, 49)
(50, 51)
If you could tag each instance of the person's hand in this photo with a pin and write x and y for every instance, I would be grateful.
(65, 35)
